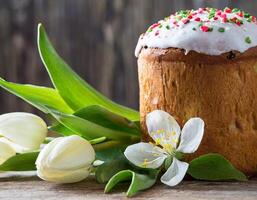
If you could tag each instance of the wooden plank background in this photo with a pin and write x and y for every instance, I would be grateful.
(96, 37)
(26, 186)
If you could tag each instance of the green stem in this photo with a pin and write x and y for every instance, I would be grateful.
(114, 143)
(48, 139)
(179, 155)
(97, 140)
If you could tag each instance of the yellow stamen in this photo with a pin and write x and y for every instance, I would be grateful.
(173, 133)
(158, 141)
(168, 148)
(160, 131)
(175, 140)
(145, 163)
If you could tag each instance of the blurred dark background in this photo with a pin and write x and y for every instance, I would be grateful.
(96, 37)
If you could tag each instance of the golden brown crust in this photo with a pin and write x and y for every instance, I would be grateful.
(222, 91)
(176, 54)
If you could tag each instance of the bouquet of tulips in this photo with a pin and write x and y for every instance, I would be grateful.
(98, 137)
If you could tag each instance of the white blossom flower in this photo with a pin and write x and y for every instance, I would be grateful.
(65, 160)
(23, 131)
(169, 140)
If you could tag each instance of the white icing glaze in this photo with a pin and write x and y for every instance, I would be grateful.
(183, 36)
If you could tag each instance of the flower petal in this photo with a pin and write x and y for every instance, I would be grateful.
(65, 160)
(145, 155)
(6, 152)
(97, 163)
(67, 153)
(63, 176)
(163, 128)
(175, 173)
(17, 148)
(191, 136)
(23, 129)
(46, 151)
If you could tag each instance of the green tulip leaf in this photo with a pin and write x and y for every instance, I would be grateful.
(20, 162)
(99, 115)
(63, 130)
(36, 96)
(138, 181)
(73, 89)
(109, 150)
(103, 117)
(214, 167)
(108, 169)
(90, 130)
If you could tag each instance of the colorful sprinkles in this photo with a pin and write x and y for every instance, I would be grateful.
(221, 29)
(203, 16)
(248, 40)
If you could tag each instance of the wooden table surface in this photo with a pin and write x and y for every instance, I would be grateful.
(26, 186)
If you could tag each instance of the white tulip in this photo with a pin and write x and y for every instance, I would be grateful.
(6, 152)
(169, 139)
(65, 160)
(23, 131)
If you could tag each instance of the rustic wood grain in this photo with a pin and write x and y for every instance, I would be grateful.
(97, 38)
(24, 186)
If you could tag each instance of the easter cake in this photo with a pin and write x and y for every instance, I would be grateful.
(203, 63)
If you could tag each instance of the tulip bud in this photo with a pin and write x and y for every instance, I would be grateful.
(65, 160)
(6, 152)
(24, 131)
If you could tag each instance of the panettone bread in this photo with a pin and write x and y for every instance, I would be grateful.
(210, 78)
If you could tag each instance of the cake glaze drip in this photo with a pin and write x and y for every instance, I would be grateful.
(206, 30)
